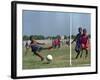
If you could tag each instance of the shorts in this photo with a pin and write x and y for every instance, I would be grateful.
(36, 48)
(84, 46)
(78, 47)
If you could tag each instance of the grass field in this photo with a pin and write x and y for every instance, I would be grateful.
(61, 58)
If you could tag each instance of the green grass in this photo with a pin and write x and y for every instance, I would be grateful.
(61, 58)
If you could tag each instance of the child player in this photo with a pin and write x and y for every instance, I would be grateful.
(84, 42)
(36, 48)
(78, 42)
(27, 46)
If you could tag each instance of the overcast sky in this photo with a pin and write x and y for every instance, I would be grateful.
(53, 23)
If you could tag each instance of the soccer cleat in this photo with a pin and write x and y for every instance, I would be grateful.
(42, 59)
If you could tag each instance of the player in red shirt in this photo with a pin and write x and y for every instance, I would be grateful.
(58, 42)
(84, 42)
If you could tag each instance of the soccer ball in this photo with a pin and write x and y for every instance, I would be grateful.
(49, 58)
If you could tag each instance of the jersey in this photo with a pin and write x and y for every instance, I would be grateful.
(84, 41)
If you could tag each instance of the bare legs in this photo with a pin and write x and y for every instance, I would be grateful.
(40, 56)
(81, 53)
(78, 52)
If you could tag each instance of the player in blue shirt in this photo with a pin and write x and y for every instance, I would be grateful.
(78, 42)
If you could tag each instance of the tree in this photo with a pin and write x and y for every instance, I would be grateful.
(25, 37)
(65, 37)
(37, 37)
(73, 36)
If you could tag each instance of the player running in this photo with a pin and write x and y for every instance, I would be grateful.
(84, 42)
(78, 42)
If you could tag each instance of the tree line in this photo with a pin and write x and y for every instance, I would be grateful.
(41, 37)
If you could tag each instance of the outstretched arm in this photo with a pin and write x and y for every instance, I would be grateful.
(74, 39)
